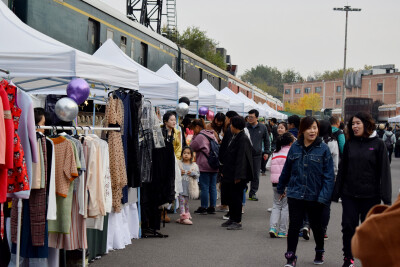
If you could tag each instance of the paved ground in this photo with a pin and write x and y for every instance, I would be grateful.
(205, 243)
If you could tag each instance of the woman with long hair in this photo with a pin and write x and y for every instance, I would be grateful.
(217, 125)
(364, 178)
(308, 178)
(201, 144)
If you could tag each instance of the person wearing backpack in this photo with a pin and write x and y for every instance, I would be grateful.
(206, 147)
(390, 140)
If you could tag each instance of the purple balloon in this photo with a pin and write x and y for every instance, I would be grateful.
(78, 90)
(203, 111)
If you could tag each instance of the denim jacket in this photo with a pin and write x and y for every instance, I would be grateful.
(308, 175)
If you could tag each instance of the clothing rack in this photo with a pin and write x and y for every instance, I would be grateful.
(75, 128)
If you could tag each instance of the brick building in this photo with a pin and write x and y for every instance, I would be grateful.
(378, 84)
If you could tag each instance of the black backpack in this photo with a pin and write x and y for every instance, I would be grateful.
(212, 157)
(336, 136)
(388, 142)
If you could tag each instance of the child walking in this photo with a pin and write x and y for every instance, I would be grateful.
(189, 170)
(280, 212)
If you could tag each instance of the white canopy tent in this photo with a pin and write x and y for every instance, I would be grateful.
(261, 110)
(221, 101)
(245, 105)
(157, 89)
(394, 119)
(235, 103)
(184, 88)
(37, 62)
(275, 113)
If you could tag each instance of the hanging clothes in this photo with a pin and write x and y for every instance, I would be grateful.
(8, 145)
(114, 113)
(17, 176)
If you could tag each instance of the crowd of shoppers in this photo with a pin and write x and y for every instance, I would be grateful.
(311, 163)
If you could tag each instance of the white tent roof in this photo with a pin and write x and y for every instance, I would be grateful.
(157, 89)
(221, 101)
(246, 107)
(185, 88)
(27, 53)
(275, 113)
(394, 119)
(235, 104)
(260, 109)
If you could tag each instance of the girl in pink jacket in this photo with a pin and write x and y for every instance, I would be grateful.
(280, 212)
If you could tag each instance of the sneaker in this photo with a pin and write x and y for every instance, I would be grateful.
(291, 259)
(306, 233)
(201, 211)
(269, 209)
(227, 223)
(253, 197)
(319, 257)
(242, 209)
(235, 226)
(226, 217)
(348, 262)
(272, 232)
(211, 210)
(282, 235)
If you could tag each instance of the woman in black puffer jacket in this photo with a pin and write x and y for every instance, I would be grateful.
(364, 178)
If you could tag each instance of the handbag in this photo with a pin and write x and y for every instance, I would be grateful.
(194, 191)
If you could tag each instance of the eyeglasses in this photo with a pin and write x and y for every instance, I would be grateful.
(251, 117)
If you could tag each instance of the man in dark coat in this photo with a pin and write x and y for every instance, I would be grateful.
(237, 171)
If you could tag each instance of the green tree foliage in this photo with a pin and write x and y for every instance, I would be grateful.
(197, 42)
(270, 79)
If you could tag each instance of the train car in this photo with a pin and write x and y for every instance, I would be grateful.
(195, 69)
(87, 24)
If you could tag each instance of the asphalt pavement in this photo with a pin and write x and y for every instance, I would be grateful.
(206, 243)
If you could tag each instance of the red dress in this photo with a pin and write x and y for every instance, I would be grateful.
(9, 125)
(18, 175)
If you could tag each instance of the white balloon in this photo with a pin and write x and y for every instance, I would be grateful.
(66, 109)
(182, 109)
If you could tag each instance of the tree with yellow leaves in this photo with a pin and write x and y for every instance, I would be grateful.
(308, 101)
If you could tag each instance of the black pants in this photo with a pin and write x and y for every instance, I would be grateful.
(326, 216)
(256, 175)
(297, 209)
(390, 152)
(354, 211)
(263, 163)
(234, 193)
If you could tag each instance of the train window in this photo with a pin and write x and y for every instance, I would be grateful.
(132, 49)
(219, 83)
(110, 34)
(173, 64)
(201, 75)
(123, 43)
(379, 87)
(93, 35)
(143, 58)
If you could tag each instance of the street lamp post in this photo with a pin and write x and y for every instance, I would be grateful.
(347, 9)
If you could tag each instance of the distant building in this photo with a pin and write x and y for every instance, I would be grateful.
(381, 83)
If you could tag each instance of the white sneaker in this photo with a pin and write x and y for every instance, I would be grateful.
(269, 209)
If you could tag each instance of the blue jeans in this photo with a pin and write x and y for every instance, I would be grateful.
(208, 187)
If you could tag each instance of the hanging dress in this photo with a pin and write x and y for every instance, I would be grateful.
(18, 176)
(114, 118)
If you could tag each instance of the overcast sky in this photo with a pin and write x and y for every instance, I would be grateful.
(306, 36)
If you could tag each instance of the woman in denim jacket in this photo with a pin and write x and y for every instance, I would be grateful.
(309, 178)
